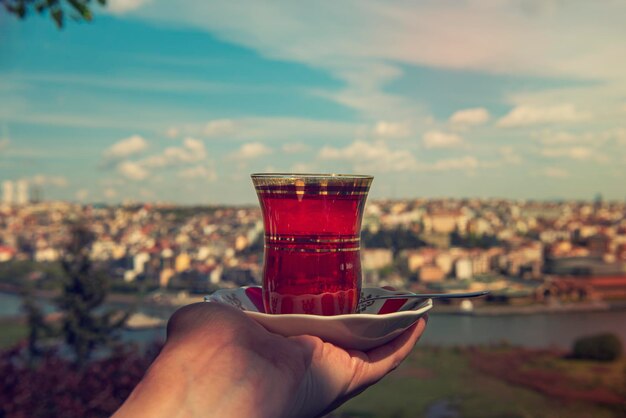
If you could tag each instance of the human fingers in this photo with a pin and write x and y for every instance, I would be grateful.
(211, 320)
(381, 360)
(370, 367)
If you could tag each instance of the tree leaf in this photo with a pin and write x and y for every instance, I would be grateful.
(81, 8)
(57, 16)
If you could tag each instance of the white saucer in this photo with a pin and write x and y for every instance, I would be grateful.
(376, 322)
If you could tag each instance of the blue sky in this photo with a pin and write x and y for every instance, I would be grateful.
(180, 101)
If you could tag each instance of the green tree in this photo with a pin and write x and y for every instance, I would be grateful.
(601, 347)
(58, 9)
(397, 239)
(38, 329)
(85, 326)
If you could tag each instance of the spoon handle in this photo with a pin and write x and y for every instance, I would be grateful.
(433, 295)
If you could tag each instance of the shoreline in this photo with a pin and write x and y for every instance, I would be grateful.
(174, 301)
(529, 309)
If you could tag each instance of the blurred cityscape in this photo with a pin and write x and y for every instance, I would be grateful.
(527, 253)
(127, 128)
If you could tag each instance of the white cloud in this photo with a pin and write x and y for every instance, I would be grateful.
(132, 170)
(463, 163)
(438, 139)
(110, 193)
(548, 137)
(252, 150)
(379, 157)
(574, 153)
(600, 98)
(111, 182)
(295, 147)
(509, 156)
(525, 115)
(192, 151)
(302, 168)
(81, 194)
(477, 35)
(199, 171)
(124, 6)
(617, 136)
(367, 48)
(172, 132)
(195, 146)
(374, 157)
(46, 180)
(555, 172)
(391, 129)
(219, 127)
(364, 91)
(127, 147)
(146, 193)
(470, 117)
(620, 136)
(274, 128)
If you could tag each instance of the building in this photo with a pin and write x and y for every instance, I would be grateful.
(182, 262)
(605, 287)
(414, 260)
(6, 253)
(430, 274)
(583, 266)
(376, 258)
(445, 262)
(8, 192)
(139, 262)
(436, 240)
(241, 242)
(463, 268)
(22, 197)
(445, 222)
(165, 276)
(481, 263)
(47, 254)
(598, 245)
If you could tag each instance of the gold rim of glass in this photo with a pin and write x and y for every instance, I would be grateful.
(311, 180)
(325, 176)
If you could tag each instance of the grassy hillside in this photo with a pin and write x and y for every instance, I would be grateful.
(438, 382)
(11, 331)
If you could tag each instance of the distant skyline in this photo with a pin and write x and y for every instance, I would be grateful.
(181, 101)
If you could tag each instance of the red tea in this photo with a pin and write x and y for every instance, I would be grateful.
(312, 242)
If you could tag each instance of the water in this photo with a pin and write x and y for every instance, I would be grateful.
(142, 337)
(539, 330)
(11, 305)
(441, 409)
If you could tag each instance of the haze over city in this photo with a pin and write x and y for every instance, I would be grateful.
(179, 103)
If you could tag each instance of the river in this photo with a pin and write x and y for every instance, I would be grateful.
(536, 330)
(533, 330)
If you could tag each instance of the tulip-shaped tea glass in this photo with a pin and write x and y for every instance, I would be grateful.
(312, 261)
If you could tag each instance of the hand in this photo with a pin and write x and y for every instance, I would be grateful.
(217, 362)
